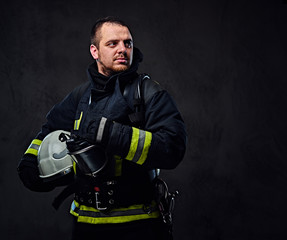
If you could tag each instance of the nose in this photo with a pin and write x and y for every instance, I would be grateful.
(122, 48)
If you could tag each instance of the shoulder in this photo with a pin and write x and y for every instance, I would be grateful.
(149, 87)
(78, 92)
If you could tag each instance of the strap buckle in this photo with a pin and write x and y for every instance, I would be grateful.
(98, 202)
(165, 200)
(107, 196)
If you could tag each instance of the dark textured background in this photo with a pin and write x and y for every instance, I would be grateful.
(225, 64)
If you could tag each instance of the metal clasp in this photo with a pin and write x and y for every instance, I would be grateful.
(98, 202)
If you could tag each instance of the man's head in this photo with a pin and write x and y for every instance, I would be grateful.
(111, 45)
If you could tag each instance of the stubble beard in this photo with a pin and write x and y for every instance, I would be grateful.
(109, 71)
(120, 68)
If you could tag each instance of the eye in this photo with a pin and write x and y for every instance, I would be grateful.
(128, 44)
(111, 44)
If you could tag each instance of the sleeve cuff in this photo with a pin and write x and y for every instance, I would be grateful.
(104, 131)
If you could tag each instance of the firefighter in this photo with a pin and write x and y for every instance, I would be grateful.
(123, 127)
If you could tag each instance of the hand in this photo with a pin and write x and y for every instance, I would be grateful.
(29, 175)
(99, 131)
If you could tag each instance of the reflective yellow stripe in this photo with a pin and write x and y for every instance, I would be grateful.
(118, 167)
(34, 147)
(74, 167)
(139, 147)
(134, 144)
(37, 142)
(77, 122)
(91, 215)
(32, 151)
(147, 144)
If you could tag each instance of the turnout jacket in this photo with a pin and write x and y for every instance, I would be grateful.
(158, 144)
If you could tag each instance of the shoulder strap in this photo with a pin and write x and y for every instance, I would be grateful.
(137, 117)
(143, 91)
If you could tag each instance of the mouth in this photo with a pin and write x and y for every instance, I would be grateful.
(121, 60)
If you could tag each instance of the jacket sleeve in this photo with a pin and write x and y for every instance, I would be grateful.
(161, 144)
(60, 117)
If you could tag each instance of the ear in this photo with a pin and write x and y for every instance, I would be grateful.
(94, 51)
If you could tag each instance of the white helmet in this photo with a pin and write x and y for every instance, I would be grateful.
(53, 158)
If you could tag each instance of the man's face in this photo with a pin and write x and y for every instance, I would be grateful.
(115, 49)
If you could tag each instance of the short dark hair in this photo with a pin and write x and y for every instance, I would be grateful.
(95, 36)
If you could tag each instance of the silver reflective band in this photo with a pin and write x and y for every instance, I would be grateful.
(140, 147)
(34, 146)
(101, 130)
